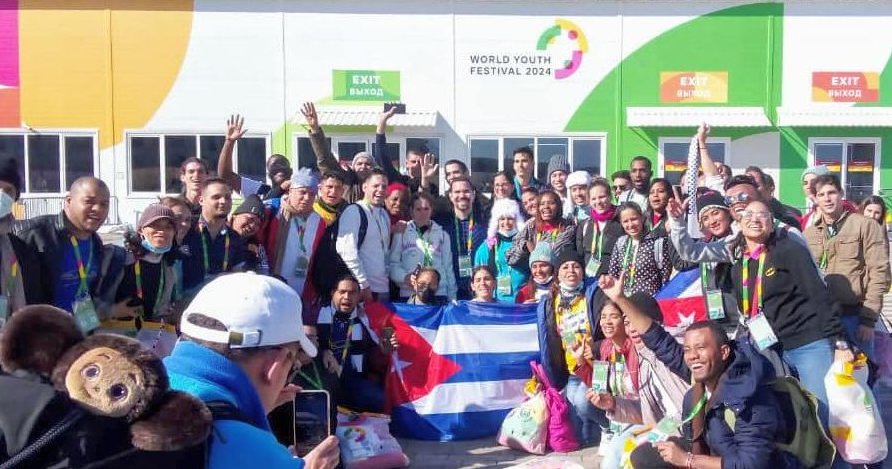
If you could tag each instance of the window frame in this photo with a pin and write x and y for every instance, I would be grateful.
(844, 164)
(130, 134)
(661, 156)
(61, 134)
(353, 137)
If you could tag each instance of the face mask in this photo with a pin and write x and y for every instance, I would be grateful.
(545, 284)
(6, 203)
(508, 234)
(148, 247)
(568, 290)
(425, 295)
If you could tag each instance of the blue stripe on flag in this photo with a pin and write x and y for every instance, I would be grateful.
(446, 427)
(677, 286)
(492, 366)
(490, 314)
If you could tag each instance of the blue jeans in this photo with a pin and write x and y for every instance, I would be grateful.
(850, 325)
(587, 419)
(812, 362)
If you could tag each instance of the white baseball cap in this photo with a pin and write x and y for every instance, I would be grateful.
(257, 311)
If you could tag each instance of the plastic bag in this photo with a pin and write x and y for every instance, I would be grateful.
(561, 434)
(855, 422)
(526, 426)
(366, 442)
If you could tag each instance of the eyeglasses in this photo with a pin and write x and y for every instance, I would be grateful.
(733, 199)
(751, 215)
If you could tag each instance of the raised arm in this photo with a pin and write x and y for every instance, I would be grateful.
(234, 131)
(379, 149)
(709, 168)
(325, 160)
(689, 249)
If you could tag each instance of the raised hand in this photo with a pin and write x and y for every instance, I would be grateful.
(234, 130)
(428, 167)
(309, 112)
(675, 209)
(703, 132)
(612, 287)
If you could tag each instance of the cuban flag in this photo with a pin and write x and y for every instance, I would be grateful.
(459, 369)
(682, 302)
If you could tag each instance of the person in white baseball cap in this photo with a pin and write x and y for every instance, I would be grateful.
(242, 338)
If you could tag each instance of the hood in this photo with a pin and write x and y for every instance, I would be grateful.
(748, 370)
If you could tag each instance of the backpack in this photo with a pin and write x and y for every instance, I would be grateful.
(805, 439)
(325, 273)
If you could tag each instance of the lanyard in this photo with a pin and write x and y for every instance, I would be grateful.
(597, 238)
(756, 307)
(618, 387)
(13, 273)
(426, 248)
(301, 230)
(630, 257)
(829, 233)
(703, 275)
(317, 382)
(347, 341)
(553, 234)
(137, 272)
(696, 410)
(470, 240)
(204, 248)
(82, 270)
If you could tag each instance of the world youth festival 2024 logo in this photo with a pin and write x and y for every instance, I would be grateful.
(563, 39)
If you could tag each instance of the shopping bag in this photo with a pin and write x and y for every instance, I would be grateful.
(855, 422)
(366, 443)
(526, 426)
(561, 435)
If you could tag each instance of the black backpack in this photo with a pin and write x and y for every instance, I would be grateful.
(328, 266)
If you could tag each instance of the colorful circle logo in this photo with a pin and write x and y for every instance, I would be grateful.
(573, 33)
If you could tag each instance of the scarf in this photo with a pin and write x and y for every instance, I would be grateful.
(328, 213)
(630, 355)
(568, 294)
(604, 216)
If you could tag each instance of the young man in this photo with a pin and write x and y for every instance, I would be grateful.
(327, 163)
(248, 220)
(558, 170)
(368, 261)
(213, 246)
(242, 339)
(69, 253)
(467, 230)
(193, 172)
(851, 251)
(278, 168)
(708, 358)
(420, 167)
(621, 182)
(351, 349)
(576, 205)
(524, 164)
(640, 172)
(330, 200)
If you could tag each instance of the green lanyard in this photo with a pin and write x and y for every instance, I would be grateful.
(82, 270)
(426, 248)
(137, 273)
(317, 383)
(829, 233)
(696, 410)
(703, 275)
(629, 260)
(204, 248)
(597, 238)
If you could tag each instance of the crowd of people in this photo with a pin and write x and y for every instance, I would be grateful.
(786, 293)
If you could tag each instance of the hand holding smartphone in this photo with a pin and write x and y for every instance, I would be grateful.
(312, 420)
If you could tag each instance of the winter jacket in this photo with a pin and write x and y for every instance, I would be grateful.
(550, 347)
(519, 254)
(856, 262)
(209, 376)
(327, 163)
(407, 252)
(745, 389)
(499, 265)
(459, 240)
(585, 232)
(661, 391)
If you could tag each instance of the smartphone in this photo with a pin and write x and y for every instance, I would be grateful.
(385, 339)
(312, 420)
(400, 107)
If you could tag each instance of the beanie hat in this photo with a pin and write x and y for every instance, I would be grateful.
(579, 178)
(567, 254)
(361, 155)
(9, 172)
(708, 200)
(503, 208)
(647, 305)
(819, 170)
(252, 204)
(558, 163)
(156, 212)
(542, 253)
(304, 178)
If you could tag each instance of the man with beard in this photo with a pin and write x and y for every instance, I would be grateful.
(69, 252)
(640, 172)
(354, 175)
(214, 247)
(467, 230)
(367, 261)
(278, 169)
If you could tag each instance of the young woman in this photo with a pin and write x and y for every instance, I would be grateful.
(397, 203)
(503, 221)
(483, 284)
(784, 301)
(549, 227)
(183, 224)
(660, 195)
(874, 207)
(529, 203)
(423, 243)
(640, 253)
(502, 187)
(145, 292)
(541, 275)
(566, 322)
(596, 237)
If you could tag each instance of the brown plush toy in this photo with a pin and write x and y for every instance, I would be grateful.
(108, 375)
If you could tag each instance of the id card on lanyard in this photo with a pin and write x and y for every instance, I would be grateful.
(303, 262)
(205, 234)
(83, 309)
(715, 305)
(760, 329)
(631, 255)
(594, 262)
(465, 265)
(668, 426)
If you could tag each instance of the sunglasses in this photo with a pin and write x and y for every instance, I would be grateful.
(751, 215)
(733, 199)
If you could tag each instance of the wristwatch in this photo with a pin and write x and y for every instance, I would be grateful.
(842, 345)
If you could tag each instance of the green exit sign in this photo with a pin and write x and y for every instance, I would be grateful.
(365, 85)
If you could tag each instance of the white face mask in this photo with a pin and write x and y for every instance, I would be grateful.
(6, 203)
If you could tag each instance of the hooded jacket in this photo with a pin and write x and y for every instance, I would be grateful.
(551, 350)
(210, 376)
(408, 251)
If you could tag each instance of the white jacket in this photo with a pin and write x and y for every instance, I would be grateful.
(407, 252)
(368, 263)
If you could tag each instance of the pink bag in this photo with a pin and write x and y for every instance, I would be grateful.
(561, 435)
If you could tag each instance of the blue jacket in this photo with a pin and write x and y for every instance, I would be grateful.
(745, 389)
(209, 376)
(550, 347)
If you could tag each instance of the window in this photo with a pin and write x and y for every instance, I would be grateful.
(347, 146)
(50, 161)
(673, 159)
(584, 153)
(155, 159)
(853, 160)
